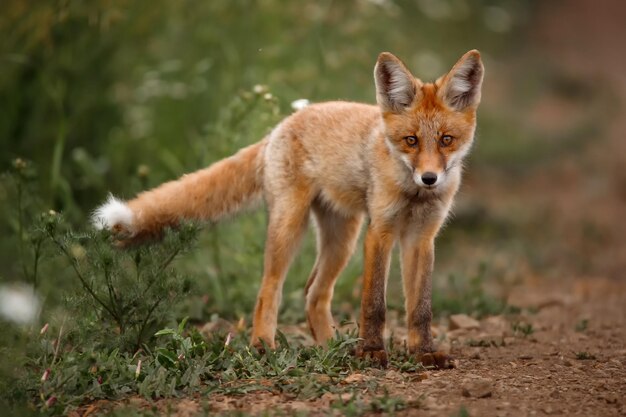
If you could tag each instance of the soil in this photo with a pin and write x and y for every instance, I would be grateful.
(572, 362)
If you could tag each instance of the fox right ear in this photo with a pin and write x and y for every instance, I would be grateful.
(395, 85)
(460, 88)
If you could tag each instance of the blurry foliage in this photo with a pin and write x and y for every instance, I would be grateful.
(468, 295)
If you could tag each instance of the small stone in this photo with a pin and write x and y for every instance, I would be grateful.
(490, 339)
(354, 378)
(463, 321)
(475, 354)
(549, 409)
(509, 340)
(346, 396)
(430, 403)
(391, 374)
(477, 388)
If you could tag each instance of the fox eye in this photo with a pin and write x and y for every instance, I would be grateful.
(446, 140)
(411, 140)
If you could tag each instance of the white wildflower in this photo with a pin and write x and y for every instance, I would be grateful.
(19, 303)
(300, 103)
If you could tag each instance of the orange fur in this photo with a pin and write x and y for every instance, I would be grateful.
(207, 194)
(340, 161)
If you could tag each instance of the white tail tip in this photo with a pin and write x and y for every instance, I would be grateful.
(112, 213)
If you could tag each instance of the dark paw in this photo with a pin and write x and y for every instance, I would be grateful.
(377, 356)
(262, 347)
(437, 360)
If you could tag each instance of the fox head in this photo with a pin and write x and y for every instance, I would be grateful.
(429, 126)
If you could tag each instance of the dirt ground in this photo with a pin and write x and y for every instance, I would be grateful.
(572, 362)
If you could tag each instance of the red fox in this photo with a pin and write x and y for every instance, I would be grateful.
(398, 164)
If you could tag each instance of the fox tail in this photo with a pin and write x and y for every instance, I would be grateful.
(210, 194)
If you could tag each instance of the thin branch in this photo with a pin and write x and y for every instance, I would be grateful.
(36, 261)
(82, 279)
(146, 319)
(169, 260)
(58, 346)
(20, 226)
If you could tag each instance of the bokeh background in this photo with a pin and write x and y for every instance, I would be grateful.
(119, 96)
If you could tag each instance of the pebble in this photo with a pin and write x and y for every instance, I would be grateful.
(463, 321)
(475, 354)
(477, 388)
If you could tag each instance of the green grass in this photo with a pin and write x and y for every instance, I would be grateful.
(521, 328)
(182, 362)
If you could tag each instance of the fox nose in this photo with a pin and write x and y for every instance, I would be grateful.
(429, 178)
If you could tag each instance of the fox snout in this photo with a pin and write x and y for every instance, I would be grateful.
(428, 179)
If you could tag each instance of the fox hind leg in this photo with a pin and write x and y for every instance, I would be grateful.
(288, 218)
(336, 238)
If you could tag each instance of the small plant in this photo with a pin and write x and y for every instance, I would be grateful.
(582, 325)
(525, 329)
(179, 348)
(129, 292)
(462, 412)
(583, 356)
(384, 404)
(387, 404)
(480, 343)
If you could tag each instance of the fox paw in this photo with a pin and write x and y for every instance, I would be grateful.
(377, 356)
(437, 360)
(263, 347)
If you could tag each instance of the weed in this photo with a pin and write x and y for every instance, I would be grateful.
(525, 329)
(387, 404)
(462, 412)
(480, 343)
(357, 406)
(129, 291)
(584, 356)
(582, 325)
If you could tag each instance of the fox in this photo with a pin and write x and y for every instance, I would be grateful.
(396, 165)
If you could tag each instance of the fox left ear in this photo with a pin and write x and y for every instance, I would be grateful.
(460, 88)
(396, 87)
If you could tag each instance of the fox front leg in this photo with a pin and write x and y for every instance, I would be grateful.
(378, 244)
(418, 257)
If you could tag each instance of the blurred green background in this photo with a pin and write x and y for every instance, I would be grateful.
(119, 96)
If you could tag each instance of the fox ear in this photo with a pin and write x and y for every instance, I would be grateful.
(460, 88)
(395, 85)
